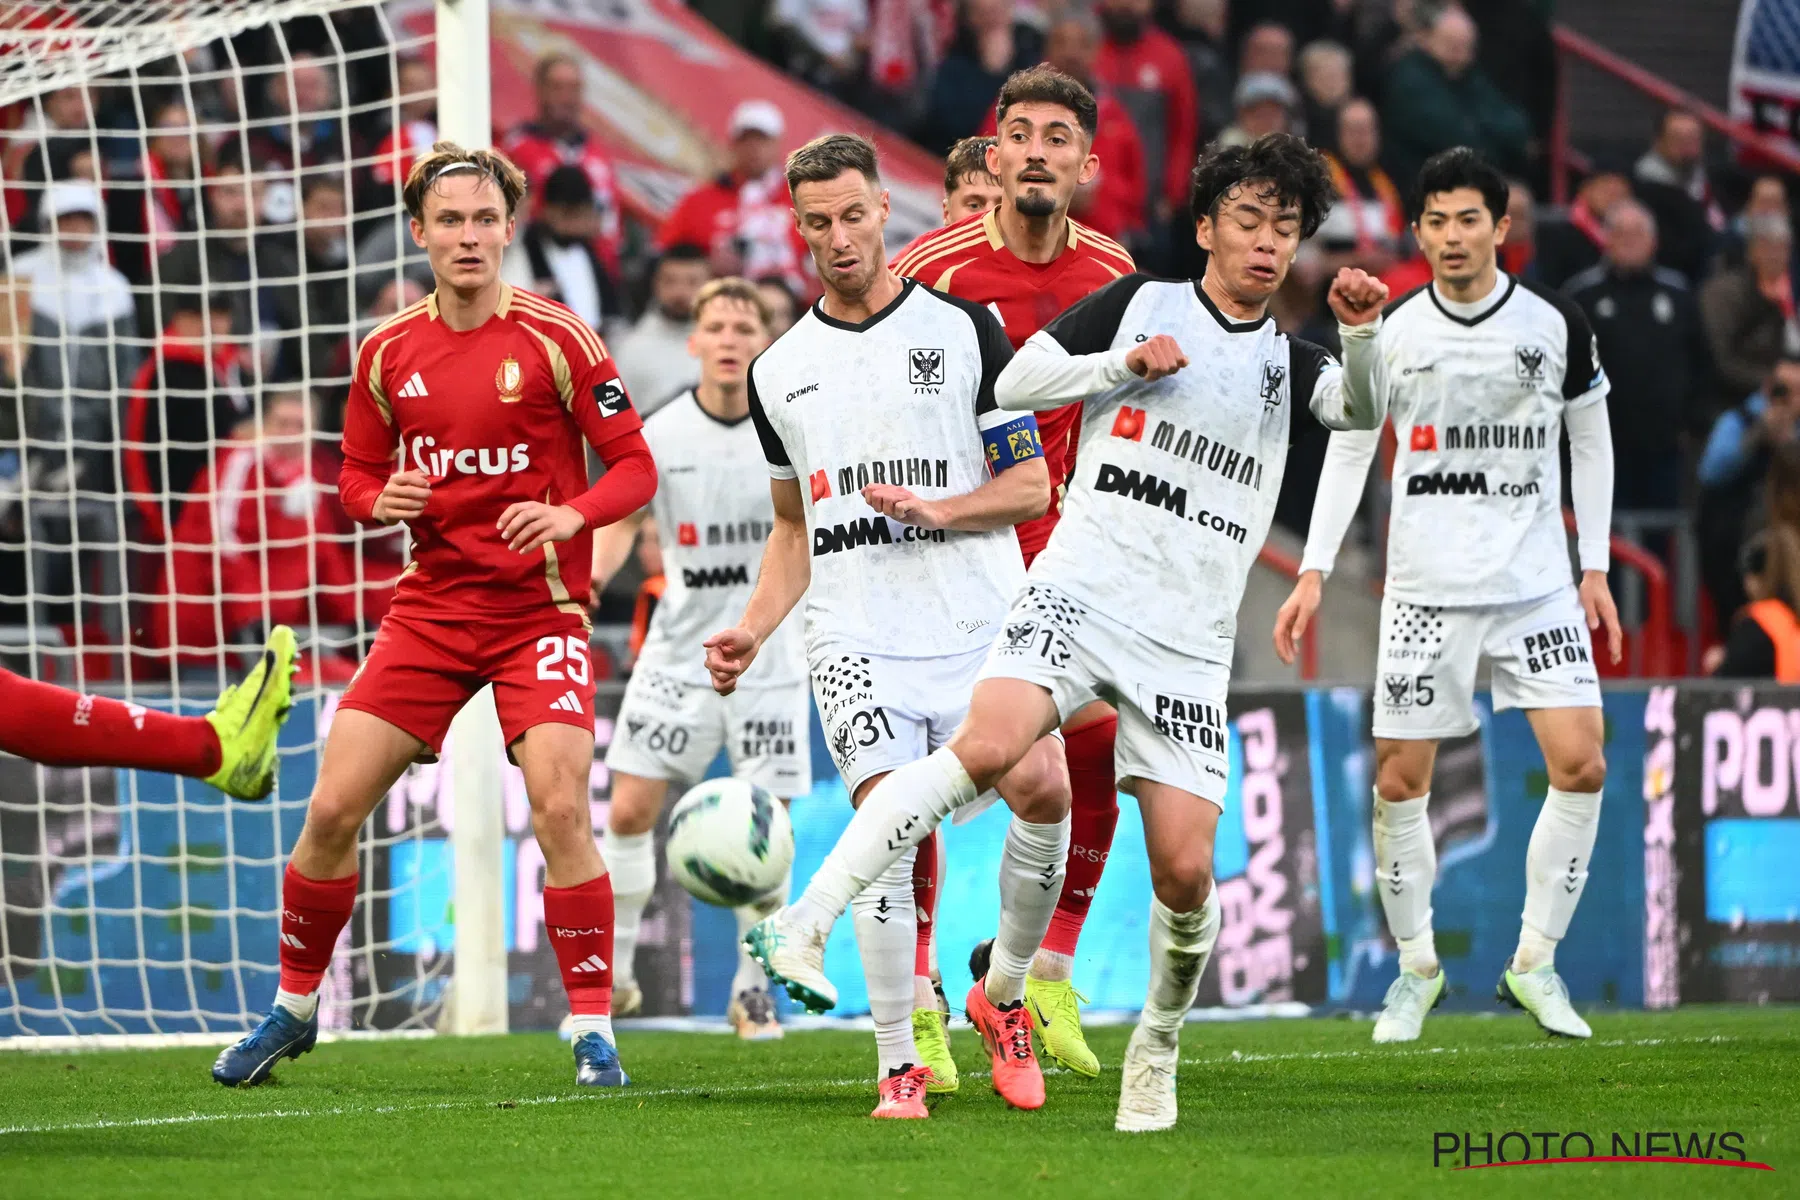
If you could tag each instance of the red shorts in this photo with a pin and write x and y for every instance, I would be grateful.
(420, 673)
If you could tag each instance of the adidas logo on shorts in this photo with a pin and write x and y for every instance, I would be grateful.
(568, 702)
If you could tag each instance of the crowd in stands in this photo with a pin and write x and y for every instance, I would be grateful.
(192, 254)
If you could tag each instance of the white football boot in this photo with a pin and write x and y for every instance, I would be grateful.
(1147, 1097)
(1544, 995)
(1404, 1007)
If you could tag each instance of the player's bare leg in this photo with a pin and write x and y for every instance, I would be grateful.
(363, 757)
(578, 898)
(1556, 864)
(1405, 869)
(631, 861)
(1179, 828)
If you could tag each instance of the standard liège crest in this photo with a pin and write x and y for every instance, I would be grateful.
(510, 380)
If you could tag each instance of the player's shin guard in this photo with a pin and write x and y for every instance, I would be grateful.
(886, 934)
(579, 921)
(313, 914)
(895, 817)
(750, 977)
(1031, 879)
(1093, 816)
(1405, 869)
(1556, 871)
(1180, 945)
(928, 869)
(631, 865)
(60, 728)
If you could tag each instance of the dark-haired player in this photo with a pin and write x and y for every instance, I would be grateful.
(486, 393)
(1136, 597)
(1482, 372)
(970, 187)
(1028, 261)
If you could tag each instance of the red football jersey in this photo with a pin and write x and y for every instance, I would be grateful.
(491, 416)
(968, 259)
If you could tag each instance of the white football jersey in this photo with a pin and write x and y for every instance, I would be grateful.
(713, 514)
(1477, 399)
(900, 398)
(1175, 481)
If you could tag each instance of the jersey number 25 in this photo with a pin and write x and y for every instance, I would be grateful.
(572, 655)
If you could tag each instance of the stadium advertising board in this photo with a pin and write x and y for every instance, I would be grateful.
(1733, 832)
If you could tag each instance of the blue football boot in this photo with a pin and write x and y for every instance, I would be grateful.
(281, 1035)
(597, 1063)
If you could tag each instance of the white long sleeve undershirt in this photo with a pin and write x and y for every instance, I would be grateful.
(1591, 481)
(1340, 492)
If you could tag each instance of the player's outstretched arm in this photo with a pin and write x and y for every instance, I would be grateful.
(613, 545)
(1340, 491)
(780, 583)
(1355, 398)
(1045, 375)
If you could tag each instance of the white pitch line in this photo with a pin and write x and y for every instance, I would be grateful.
(1235, 1058)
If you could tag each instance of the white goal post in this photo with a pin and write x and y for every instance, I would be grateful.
(201, 218)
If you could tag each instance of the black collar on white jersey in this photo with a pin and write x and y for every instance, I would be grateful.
(694, 395)
(906, 287)
(1225, 322)
(1512, 281)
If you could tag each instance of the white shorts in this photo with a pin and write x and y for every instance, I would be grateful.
(671, 729)
(1172, 724)
(881, 713)
(1541, 653)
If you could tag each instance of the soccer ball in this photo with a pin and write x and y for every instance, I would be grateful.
(729, 842)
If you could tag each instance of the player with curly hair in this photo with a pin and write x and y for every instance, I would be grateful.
(1135, 598)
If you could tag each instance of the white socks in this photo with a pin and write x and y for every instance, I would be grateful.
(600, 1023)
(887, 931)
(1051, 966)
(631, 861)
(302, 1006)
(1031, 879)
(1405, 869)
(749, 977)
(1556, 871)
(1180, 944)
(896, 817)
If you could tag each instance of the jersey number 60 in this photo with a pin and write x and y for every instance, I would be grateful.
(574, 667)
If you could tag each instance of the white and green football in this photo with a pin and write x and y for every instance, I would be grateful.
(729, 842)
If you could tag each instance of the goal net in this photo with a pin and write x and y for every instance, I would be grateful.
(201, 219)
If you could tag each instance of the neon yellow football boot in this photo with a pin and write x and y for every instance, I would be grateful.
(1056, 1015)
(248, 717)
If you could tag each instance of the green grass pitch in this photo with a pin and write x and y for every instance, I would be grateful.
(1307, 1109)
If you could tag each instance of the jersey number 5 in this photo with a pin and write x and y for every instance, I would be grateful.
(571, 652)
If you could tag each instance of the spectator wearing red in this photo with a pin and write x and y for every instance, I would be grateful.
(1115, 200)
(1577, 243)
(557, 137)
(415, 129)
(261, 541)
(1147, 70)
(743, 218)
(186, 398)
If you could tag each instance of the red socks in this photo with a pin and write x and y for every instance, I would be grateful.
(61, 728)
(313, 914)
(925, 898)
(580, 923)
(1093, 816)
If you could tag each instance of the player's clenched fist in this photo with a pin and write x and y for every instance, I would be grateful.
(1356, 296)
(403, 498)
(1157, 358)
(729, 654)
(527, 525)
(891, 500)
